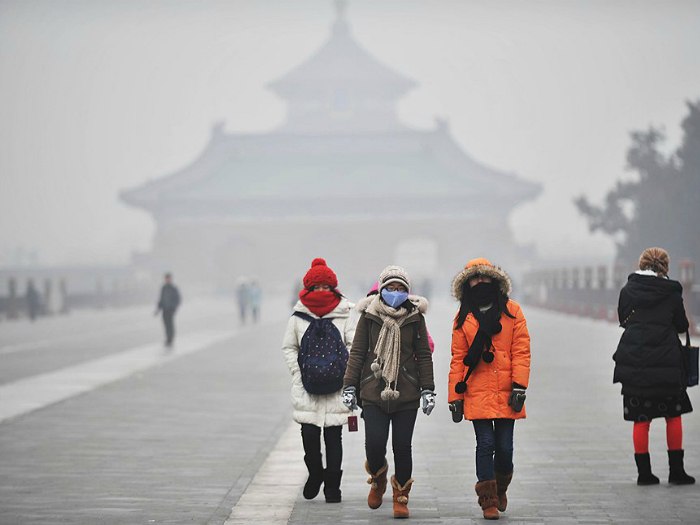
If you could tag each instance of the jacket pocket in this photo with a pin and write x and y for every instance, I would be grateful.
(366, 379)
(411, 378)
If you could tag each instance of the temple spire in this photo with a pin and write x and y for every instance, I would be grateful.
(340, 25)
(341, 86)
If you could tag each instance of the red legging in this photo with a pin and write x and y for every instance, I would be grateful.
(674, 435)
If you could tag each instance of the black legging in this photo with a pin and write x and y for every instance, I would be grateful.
(169, 322)
(332, 436)
(376, 436)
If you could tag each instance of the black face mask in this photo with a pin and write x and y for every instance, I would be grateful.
(483, 294)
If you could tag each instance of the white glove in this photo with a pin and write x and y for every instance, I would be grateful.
(349, 397)
(427, 401)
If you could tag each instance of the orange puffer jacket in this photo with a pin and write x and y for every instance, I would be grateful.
(490, 384)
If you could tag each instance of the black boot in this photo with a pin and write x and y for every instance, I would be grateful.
(645, 476)
(676, 474)
(331, 485)
(313, 483)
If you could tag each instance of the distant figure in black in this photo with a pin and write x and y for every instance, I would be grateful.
(649, 362)
(255, 298)
(243, 298)
(33, 301)
(168, 304)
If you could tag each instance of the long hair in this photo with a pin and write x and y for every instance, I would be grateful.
(465, 308)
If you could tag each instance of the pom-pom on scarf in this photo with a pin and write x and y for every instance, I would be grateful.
(388, 347)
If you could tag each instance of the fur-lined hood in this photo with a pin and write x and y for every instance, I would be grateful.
(420, 302)
(481, 266)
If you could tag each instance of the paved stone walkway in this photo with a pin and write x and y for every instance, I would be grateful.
(193, 437)
(573, 454)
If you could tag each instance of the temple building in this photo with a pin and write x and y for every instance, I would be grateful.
(341, 178)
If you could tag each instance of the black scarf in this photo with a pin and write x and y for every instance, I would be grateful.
(489, 325)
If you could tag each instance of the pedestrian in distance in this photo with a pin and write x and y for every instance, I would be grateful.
(255, 298)
(168, 303)
(316, 345)
(489, 373)
(33, 301)
(649, 362)
(243, 298)
(390, 371)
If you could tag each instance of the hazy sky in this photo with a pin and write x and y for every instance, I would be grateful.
(99, 96)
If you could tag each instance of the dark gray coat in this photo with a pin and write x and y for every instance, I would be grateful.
(416, 363)
(169, 298)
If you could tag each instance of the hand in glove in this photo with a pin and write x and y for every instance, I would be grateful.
(427, 401)
(457, 409)
(349, 397)
(517, 398)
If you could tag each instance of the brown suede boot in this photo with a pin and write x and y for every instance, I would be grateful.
(401, 497)
(488, 499)
(502, 482)
(378, 482)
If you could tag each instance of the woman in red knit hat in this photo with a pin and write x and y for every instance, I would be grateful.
(316, 346)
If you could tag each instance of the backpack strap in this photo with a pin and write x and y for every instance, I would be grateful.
(305, 317)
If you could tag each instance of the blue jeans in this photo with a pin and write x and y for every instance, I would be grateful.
(494, 447)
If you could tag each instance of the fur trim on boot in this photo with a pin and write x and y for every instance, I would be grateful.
(676, 474)
(315, 479)
(378, 483)
(644, 475)
(502, 482)
(401, 497)
(488, 499)
(331, 485)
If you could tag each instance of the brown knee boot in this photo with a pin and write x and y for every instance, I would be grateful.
(488, 499)
(378, 483)
(502, 482)
(401, 497)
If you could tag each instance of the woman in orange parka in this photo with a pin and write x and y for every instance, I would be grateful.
(489, 373)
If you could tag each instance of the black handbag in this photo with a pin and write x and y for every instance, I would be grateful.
(691, 361)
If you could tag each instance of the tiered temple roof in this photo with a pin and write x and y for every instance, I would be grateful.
(341, 152)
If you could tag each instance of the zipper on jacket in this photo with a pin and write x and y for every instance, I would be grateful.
(367, 379)
(410, 378)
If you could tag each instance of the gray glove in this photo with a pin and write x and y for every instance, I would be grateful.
(349, 397)
(517, 398)
(457, 409)
(427, 401)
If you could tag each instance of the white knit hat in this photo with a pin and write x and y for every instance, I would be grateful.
(394, 274)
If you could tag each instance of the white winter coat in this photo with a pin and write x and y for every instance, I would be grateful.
(320, 410)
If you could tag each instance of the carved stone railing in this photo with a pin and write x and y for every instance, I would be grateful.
(593, 291)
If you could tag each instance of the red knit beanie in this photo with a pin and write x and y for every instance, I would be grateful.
(320, 273)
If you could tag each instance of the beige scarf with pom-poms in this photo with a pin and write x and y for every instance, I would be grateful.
(388, 347)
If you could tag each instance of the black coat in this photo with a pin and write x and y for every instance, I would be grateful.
(648, 360)
(169, 298)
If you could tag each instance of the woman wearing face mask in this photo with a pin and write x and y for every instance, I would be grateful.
(489, 373)
(391, 370)
(318, 301)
